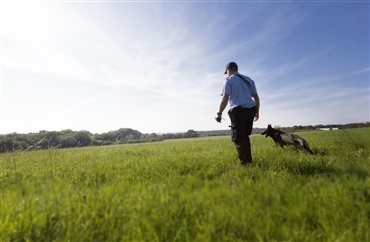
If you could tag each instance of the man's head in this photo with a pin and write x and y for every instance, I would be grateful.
(232, 67)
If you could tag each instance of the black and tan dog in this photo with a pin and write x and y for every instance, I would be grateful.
(283, 138)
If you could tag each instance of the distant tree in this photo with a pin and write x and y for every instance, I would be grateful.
(129, 137)
(7, 144)
(309, 128)
(119, 135)
(191, 134)
(67, 142)
(20, 145)
(83, 138)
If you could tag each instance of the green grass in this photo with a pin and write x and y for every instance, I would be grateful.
(190, 190)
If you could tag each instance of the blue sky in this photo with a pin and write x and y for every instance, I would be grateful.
(158, 66)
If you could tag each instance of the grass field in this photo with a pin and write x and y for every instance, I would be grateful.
(190, 190)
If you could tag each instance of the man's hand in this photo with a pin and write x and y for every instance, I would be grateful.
(219, 117)
(225, 99)
(256, 117)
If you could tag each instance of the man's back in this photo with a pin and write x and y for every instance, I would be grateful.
(241, 94)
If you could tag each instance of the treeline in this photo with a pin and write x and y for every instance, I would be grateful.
(68, 139)
(328, 126)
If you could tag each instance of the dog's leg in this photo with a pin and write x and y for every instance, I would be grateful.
(309, 150)
(306, 147)
(298, 145)
(301, 144)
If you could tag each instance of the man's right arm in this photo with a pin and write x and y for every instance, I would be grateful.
(223, 104)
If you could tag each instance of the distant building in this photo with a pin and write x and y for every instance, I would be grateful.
(327, 129)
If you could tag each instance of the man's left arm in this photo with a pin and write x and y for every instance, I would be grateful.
(257, 101)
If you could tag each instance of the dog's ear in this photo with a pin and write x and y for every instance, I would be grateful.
(269, 126)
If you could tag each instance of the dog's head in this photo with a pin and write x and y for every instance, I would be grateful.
(268, 132)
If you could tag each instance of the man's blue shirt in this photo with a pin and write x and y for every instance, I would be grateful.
(240, 93)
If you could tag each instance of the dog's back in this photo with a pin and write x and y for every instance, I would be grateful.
(284, 138)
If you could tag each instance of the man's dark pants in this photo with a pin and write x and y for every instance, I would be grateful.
(241, 127)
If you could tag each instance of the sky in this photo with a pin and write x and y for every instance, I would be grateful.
(158, 66)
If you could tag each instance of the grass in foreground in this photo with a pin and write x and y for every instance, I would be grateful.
(190, 190)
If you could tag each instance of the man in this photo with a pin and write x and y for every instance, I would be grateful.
(241, 93)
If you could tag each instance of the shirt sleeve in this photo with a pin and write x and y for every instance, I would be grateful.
(226, 88)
